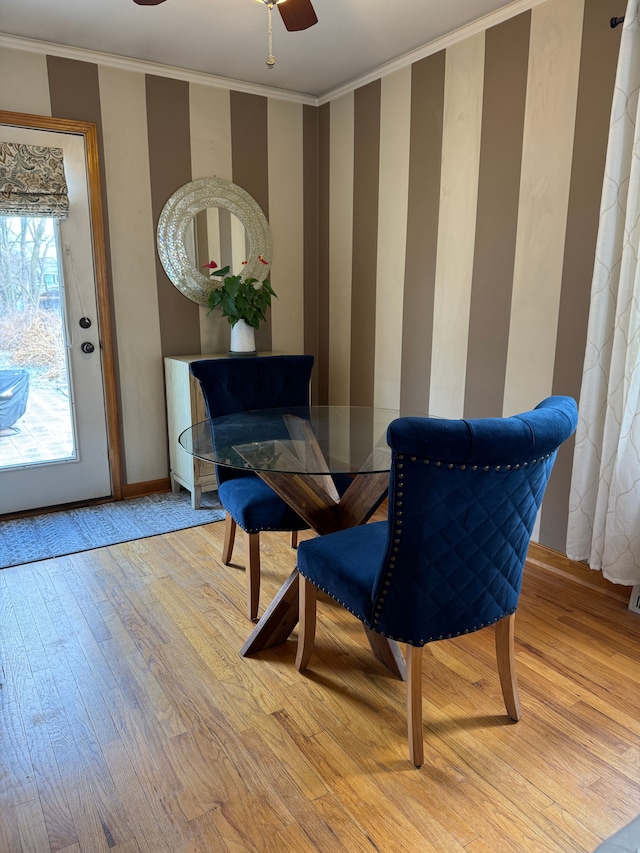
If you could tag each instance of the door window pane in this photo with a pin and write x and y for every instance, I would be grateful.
(36, 423)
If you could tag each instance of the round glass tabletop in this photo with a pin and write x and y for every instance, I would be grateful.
(305, 440)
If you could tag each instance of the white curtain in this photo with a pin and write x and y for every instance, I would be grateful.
(604, 513)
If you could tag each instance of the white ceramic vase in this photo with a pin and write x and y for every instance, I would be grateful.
(243, 339)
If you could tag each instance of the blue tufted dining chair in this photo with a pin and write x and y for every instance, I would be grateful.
(463, 500)
(232, 385)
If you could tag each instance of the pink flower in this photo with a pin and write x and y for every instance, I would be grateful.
(212, 265)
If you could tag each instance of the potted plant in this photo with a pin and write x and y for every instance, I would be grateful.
(244, 303)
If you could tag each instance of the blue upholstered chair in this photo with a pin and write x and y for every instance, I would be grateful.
(463, 499)
(232, 385)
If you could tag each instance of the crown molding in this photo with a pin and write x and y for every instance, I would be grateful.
(146, 67)
(448, 40)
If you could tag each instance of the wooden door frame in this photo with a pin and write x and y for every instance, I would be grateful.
(89, 131)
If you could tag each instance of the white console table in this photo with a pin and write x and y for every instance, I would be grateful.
(185, 406)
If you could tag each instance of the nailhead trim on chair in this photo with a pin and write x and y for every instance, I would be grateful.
(422, 642)
(266, 529)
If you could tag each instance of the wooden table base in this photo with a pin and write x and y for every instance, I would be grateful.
(281, 617)
(278, 620)
(315, 498)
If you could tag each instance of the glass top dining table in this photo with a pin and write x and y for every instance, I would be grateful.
(298, 452)
(314, 440)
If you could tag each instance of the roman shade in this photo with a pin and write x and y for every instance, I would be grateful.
(32, 181)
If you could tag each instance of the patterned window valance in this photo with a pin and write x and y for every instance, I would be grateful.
(32, 181)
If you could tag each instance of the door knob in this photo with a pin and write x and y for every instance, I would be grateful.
(87, 347)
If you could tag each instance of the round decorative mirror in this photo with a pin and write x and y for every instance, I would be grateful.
(203, 221)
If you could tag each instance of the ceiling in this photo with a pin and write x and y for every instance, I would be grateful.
(228, 38)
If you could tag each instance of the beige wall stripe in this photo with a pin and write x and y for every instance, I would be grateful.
(395, 128)
(366, 160)
(210, 125)
(341, 242)
(310, 213)
(457, 224)
(249, 157)
(503, 104)
(210, 129)
(122, 99)
(425, 153)
(320, 390)
(556, 29)
(24, 87)
(286, 217)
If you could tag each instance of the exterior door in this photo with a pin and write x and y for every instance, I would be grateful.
(57, 451)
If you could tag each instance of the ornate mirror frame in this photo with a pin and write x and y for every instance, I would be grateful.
(177, 218)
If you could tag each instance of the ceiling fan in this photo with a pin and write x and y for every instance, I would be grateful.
(296, 14)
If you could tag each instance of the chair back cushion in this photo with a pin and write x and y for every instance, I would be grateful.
(232, 385)
(463, 500)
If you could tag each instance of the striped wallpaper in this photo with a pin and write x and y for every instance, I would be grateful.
(434, 229)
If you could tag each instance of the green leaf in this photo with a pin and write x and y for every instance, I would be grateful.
(222, 271)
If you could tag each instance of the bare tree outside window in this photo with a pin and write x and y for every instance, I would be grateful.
(32, 331)
(30, 316)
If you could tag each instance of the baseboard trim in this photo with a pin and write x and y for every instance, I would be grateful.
(553, 561)
(150, 487)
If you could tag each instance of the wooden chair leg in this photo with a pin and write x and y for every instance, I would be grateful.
(307, 622)
(229, 539)
(414, 704)
(294, 538)
(507, 666)
(252, 572)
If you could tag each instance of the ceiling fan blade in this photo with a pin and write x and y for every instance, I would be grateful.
(148, 2)
(297, 14)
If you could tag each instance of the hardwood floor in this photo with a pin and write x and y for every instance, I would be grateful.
(129, 722)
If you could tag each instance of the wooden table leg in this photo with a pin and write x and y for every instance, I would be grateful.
(360, 500)
(278, 620)
(281, 617)
(309, 496)
(387, 652)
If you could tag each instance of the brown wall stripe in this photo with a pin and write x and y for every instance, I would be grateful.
(74, 91)
(250, 165)
(324, 155)
(427, 106)
(595, 92)
(310, 235)
(504, 98)
(170, 167)
(366, 171)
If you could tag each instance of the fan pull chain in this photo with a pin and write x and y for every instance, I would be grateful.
(271, 60)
